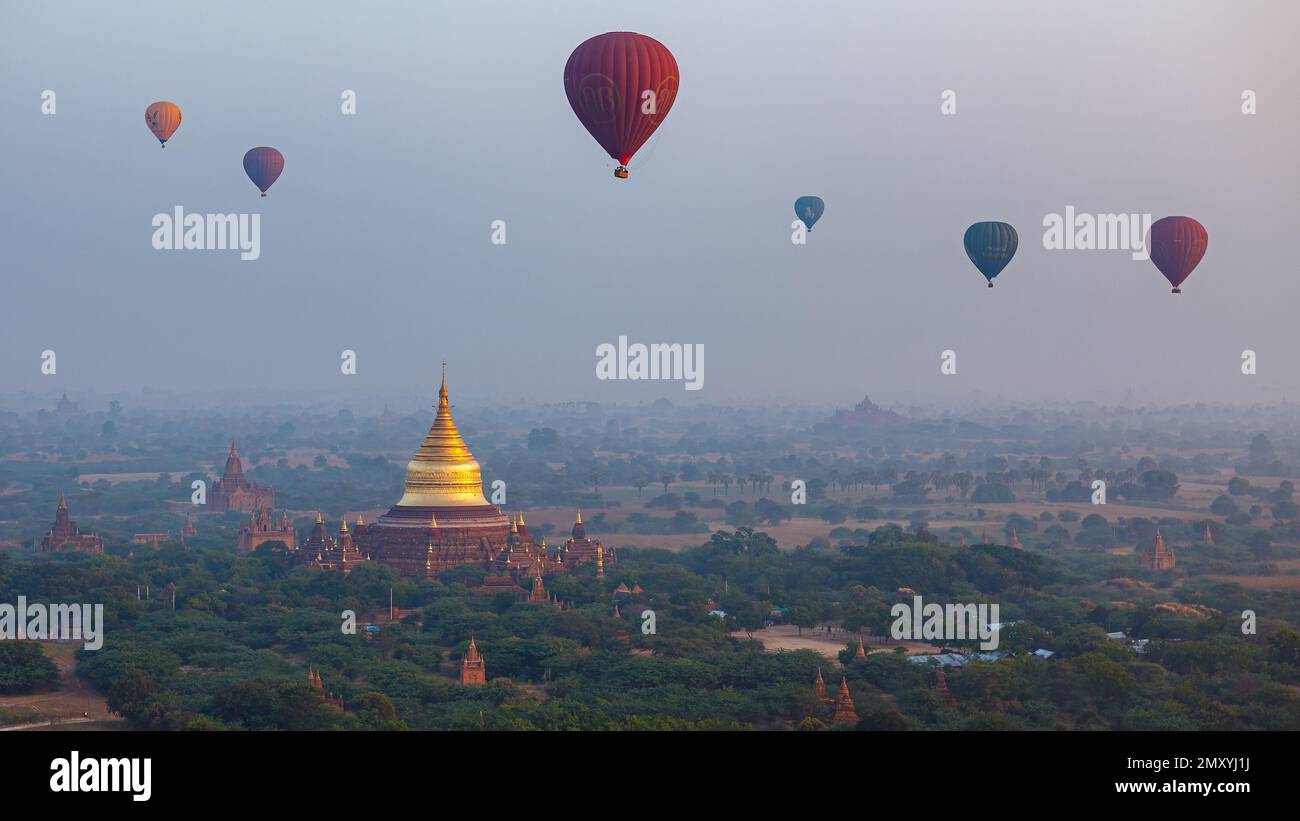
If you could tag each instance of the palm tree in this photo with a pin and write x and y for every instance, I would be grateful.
(666, 478)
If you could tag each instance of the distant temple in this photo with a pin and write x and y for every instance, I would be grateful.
(189, 530)
(1209, 537)
(64, 537)
(442, 521)
(580, 549)
(1159, 557)
(262, 527)
(941, 690)
(233, 491)
(154, 540)
(867, 412)
(66, 405)
(472, 671)
(819, 688)
(538, 593)
(314, 680)
(339, 554)
(845, 712)
(1015, 540)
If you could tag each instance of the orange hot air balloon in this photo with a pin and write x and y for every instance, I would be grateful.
(163, 118)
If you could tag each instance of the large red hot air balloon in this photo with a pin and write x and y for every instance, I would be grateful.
(1177, 245)
(621, 85)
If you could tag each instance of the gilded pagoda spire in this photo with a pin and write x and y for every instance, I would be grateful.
(443, 472)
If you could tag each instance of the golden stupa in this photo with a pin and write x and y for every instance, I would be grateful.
(443, 473)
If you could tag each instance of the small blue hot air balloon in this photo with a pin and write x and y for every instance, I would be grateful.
(809, 209)
(991, 245)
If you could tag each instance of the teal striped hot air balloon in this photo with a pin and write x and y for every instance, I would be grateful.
(809, 209)
(991, 245)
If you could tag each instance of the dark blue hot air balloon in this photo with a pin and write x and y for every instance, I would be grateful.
(809, 209)
(991, 245)
(263, 166)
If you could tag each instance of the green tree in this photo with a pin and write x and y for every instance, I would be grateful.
(25, 668)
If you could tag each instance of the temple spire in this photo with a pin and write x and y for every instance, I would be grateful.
(845, 713)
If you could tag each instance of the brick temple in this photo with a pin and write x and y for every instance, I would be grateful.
(443, 521)
(264, 527)
(64, 537)
(233, 491)
(1158, 557)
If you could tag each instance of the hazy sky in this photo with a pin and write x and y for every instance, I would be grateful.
(376, 238)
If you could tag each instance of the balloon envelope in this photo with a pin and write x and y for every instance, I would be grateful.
(991, 245)
(809, 209)
(263, 166)
(1176, 245)
(163, 118)
(621, 85)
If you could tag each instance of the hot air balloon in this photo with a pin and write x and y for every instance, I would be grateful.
(621, 85)
(809, 209)
(991, 245)
(163, 118)
(263, 166)
(1177, 245)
